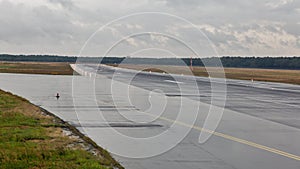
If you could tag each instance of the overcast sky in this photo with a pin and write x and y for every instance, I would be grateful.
(234, 27)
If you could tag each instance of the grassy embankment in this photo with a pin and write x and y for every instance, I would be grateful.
(32, 138)
(269, 75)
(36, 68)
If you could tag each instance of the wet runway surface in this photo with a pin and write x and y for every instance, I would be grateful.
(260, 126)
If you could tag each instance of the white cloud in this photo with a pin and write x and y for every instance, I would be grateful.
(278, 3)
(131, 41)
(159, 38)
(208, 28)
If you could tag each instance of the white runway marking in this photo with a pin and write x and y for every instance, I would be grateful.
(171, 81)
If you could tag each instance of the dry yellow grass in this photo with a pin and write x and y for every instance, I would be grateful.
(36, 68)
(270, 75)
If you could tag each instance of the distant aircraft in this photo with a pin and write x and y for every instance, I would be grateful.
(57, 96)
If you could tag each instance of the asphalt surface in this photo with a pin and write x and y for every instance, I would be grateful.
(259, 127)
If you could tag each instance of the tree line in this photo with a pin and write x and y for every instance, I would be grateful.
(227, 61)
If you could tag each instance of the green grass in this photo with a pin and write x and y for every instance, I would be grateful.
(6, 67)
(29, 139)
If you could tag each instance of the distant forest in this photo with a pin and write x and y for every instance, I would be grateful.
(227, 61)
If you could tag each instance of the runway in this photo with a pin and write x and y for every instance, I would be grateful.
(259, 128)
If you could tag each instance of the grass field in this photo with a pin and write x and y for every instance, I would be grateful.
(270, 75)
(36, 68)
(30, 139)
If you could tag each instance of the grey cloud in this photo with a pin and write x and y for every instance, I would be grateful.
(27, 24)
(65, 3)
(63, 25)
(292, 28)
(40, 29)
(298, 42)
(219, 38)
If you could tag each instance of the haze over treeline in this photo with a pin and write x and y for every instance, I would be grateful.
(227, 61)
